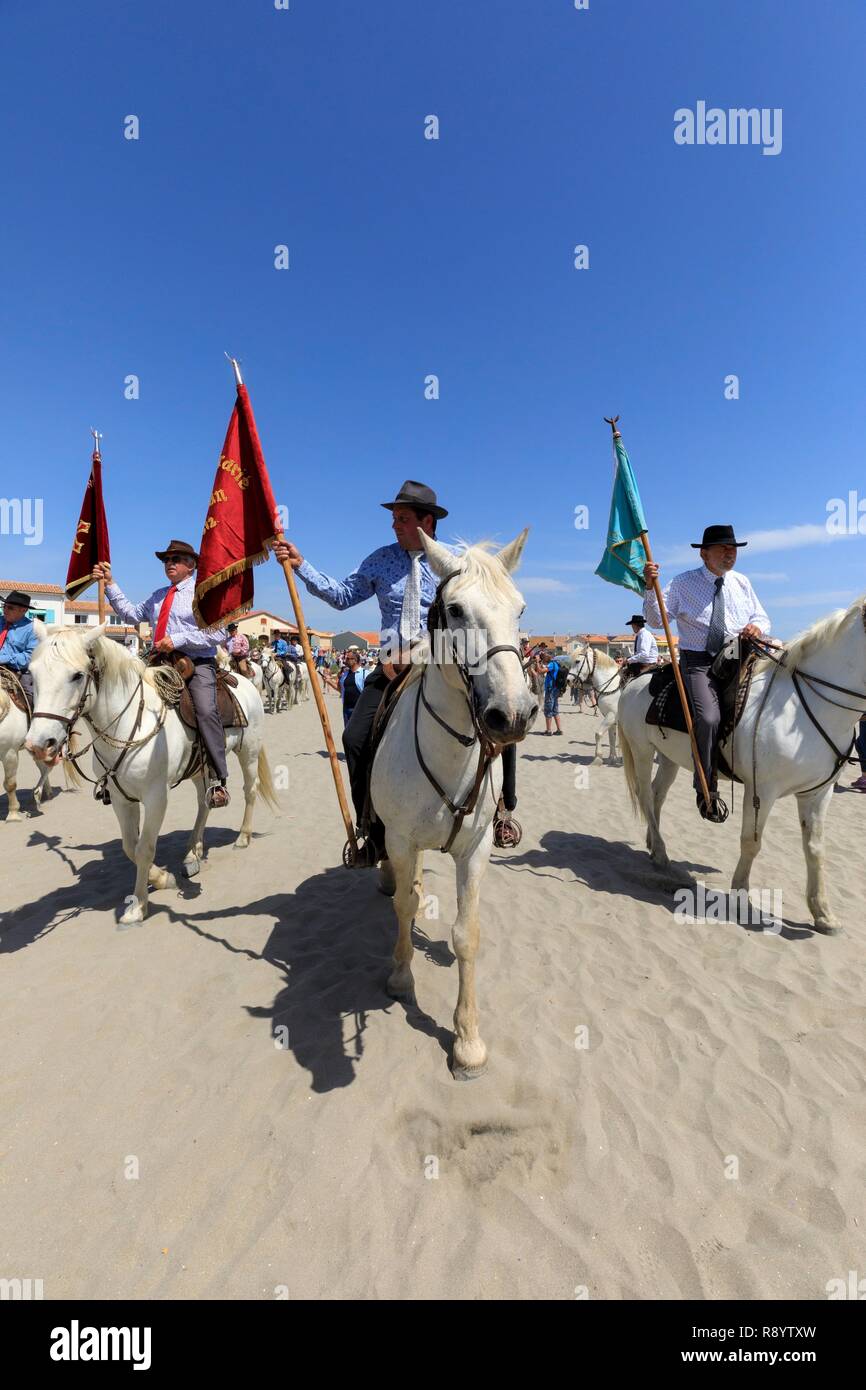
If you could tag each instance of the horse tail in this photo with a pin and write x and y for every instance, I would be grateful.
(266, 782)
(629, 770)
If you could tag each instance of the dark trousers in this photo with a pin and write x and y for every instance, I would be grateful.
(202, 688)
(860, 745)
(356, 742)
(356, 736)
(702, 689)
(26, 680)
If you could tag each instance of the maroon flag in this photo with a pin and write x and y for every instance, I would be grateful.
(90, 546)
(240, 525)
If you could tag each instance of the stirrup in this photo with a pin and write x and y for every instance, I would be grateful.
(364, 854)
(507, 832)
(716, 812)
(210, 797)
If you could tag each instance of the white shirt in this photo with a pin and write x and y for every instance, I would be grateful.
(689, 599)
(646, 649)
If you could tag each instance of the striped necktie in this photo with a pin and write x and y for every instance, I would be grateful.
(716, 633)
(410, 613)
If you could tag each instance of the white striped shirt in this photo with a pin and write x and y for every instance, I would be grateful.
(183, 629)
(689, 599)
(646, 649)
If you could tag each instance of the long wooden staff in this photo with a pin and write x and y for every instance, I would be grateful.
(318, 693)
(674, 654)
(100, 583)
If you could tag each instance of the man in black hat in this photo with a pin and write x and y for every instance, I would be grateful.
(646, 651)
(174, 628)
(711, 604)
(17, 639)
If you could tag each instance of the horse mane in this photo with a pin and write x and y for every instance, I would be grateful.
(479, 564)
(114, 661)
(602, 659)
(806, 643)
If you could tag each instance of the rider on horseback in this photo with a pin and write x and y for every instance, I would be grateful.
(401, 579)
(17, 640)
(175, 632)
(238, 647)
(646, 652)
(711, 604)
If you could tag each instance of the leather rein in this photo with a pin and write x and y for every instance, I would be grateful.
(487, 750)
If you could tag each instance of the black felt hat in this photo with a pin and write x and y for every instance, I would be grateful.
(717, 535)
(16, 596)
(413, 494)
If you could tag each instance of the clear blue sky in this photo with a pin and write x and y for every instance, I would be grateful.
(410, 256)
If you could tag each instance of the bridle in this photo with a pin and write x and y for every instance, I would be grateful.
(125, 746)
(590, 671)
(488, 751)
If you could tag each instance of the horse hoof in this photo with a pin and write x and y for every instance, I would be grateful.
(829, 927)
(468, 1073)
(132, 917)
(596, 762)
(15, 815)
(243, 840)
(400, 985)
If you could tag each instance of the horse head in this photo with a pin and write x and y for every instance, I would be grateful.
(476, 644)
(66, 670)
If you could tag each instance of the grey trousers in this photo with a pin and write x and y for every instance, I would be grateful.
(702, 689)
(202, 688)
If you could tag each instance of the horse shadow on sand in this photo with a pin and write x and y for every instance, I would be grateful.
(613, 868)
(331, 943)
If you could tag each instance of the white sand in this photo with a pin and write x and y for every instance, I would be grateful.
(602, 1167)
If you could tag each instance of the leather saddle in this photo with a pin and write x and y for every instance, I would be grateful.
(15, 690)
(735, 677)
(230, 712)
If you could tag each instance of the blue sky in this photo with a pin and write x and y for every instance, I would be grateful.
(410, 256)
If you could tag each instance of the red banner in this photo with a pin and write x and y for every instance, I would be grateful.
(90, 546)
(240, 524)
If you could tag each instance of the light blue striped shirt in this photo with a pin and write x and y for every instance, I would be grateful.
(182, 628)
(383, 574)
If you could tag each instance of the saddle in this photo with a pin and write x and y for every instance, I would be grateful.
(15, 690)
(371, 827)
(735, 677)
(228, 707)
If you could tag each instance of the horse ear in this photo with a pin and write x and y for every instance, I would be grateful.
(510, 554)
(92, 633)
(441, 560)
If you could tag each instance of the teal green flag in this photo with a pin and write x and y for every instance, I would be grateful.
(624, 557)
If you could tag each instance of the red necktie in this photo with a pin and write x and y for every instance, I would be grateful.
(162, 620)
(3, 636)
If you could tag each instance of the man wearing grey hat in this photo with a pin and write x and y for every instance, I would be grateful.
(711, 604)
(174, 628)
(17, 639)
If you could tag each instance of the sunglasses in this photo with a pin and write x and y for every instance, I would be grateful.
(173, 559)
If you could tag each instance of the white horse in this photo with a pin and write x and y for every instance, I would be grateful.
(13, 732)
(86, 676)
(599, 670)
(479, 703)
(224, 661)
(824, 671)
(274, 692)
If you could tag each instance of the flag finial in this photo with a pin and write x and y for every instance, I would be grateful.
(96, 438)
(237, 370)
(613, 422)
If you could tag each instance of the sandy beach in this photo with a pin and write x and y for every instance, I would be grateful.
(672, 1110)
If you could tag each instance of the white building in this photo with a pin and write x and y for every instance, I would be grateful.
(49, 602)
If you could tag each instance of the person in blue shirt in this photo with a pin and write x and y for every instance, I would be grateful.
(352, 679)
(17, 639)
(551, 698)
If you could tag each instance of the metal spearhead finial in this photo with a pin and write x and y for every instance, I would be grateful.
(613, 422)
(96, 438)
(236, 368)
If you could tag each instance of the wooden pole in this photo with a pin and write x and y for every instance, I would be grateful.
(678, 676)
(97, 457)
(318, 693)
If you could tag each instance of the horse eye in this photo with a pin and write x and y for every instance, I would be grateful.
(455, 611)
(78, 676)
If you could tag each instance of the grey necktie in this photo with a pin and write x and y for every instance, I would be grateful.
(716, 633)
(410, 613)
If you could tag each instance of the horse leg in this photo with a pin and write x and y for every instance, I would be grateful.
(43, 791)
(407, 866)
(248, 758)
(470, 1053)
(812, 808)
(10, 783)
(662, 783)
(642, 758)
(195, 848)
(599, 735)
(146, 870)
(611, 733)
(750, 843)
